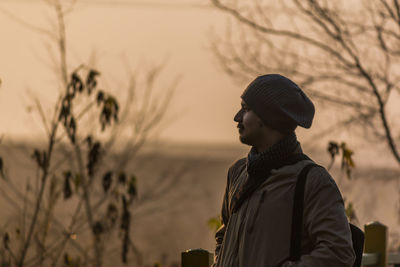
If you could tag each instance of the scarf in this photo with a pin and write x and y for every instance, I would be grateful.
(259, 166)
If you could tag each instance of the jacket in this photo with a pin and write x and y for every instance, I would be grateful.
(258, 233)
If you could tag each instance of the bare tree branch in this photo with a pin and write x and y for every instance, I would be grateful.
(28, 25)
(359, 56)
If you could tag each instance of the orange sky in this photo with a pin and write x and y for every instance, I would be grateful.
(206, 97)
(140, 35)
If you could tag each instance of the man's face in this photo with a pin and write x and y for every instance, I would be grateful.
(251, 128)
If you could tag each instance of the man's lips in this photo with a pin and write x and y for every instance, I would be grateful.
(240, 127)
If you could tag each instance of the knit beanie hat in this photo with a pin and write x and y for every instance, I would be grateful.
(279, 103)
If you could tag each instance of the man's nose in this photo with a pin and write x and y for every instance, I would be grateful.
(238, 116)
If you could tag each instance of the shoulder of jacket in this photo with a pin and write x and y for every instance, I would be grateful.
(319, 175)
(236, 168)
(239, 163)
(318, 178)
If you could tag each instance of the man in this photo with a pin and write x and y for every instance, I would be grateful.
(258, 202)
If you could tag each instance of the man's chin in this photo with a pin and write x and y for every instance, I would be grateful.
(244, 140)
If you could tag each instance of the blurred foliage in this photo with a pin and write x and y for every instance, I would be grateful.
(215, 223)
(107, 103)
(347, 163)
(109, 109)
(350, 211)
(71, 262)
(96, 186)
(78, 183)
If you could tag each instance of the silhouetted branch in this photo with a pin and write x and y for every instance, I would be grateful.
(351, 61)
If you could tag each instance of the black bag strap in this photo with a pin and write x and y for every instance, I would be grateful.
(297, 222)
(297, 213)
(357, 236)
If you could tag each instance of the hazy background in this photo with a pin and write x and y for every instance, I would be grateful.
(117, 34)
(200, 135)
(140, 34)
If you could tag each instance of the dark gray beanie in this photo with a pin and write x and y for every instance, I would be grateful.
(279, 102)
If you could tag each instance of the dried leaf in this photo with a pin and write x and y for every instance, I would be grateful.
(98, 228)
(93, 157)
(109, 111)
(347, 160)
(67, 185)
(72, 129)
(76, 82)
(122, 178)
(100, 97)
(107, 180)
(333, 149)
(132, 190)
(91, 82)
(65, 110)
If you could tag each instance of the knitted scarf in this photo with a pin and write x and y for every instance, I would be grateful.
(259, 166)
